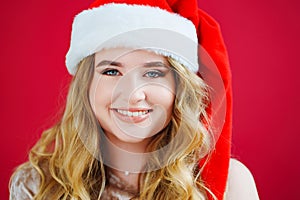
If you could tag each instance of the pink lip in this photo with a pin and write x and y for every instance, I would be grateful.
(132, 119)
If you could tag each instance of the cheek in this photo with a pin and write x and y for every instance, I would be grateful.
(168, 102)
(100, 93)
(164, 97)
(100, 98)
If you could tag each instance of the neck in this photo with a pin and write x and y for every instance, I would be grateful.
(125, 160)
(129, 181)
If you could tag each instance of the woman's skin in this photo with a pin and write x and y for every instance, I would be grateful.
(132, 94)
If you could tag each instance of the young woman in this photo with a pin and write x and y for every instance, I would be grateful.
(141, 120)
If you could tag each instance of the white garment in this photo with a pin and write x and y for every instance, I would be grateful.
(25, 184)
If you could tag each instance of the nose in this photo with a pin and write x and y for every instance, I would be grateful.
(131, 88)
(137, 95)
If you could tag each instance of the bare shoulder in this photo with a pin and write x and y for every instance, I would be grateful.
(240, 184)
(24, 183)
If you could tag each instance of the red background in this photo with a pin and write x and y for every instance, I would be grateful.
(262, 40)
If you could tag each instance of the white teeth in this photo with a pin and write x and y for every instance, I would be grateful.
(134, 114)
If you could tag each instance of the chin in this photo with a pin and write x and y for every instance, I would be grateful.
(124, 138)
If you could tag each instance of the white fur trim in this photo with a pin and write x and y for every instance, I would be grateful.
(135, 26)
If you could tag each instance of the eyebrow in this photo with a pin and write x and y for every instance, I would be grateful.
(118, 64)
(156, 64)
(108, 62)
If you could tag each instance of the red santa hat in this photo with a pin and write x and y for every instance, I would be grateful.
(172, 28)
(148, 25)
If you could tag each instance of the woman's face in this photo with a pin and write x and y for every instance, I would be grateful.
(132, 93)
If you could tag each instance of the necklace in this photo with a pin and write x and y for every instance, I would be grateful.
(126, 178)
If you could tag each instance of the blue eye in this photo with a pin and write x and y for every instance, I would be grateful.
(111, 72)
(154, 74)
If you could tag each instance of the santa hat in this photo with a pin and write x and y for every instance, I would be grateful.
(172, 28)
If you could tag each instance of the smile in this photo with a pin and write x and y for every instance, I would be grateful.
(133, 113)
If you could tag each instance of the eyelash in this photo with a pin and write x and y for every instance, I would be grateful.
(156, 74)
(149, 74)
(108, 72)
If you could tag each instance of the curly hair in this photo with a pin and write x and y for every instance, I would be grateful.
(71, 169)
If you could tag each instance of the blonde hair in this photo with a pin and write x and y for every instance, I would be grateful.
(71, 170)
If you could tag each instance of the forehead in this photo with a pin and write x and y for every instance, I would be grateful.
(128, 55)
